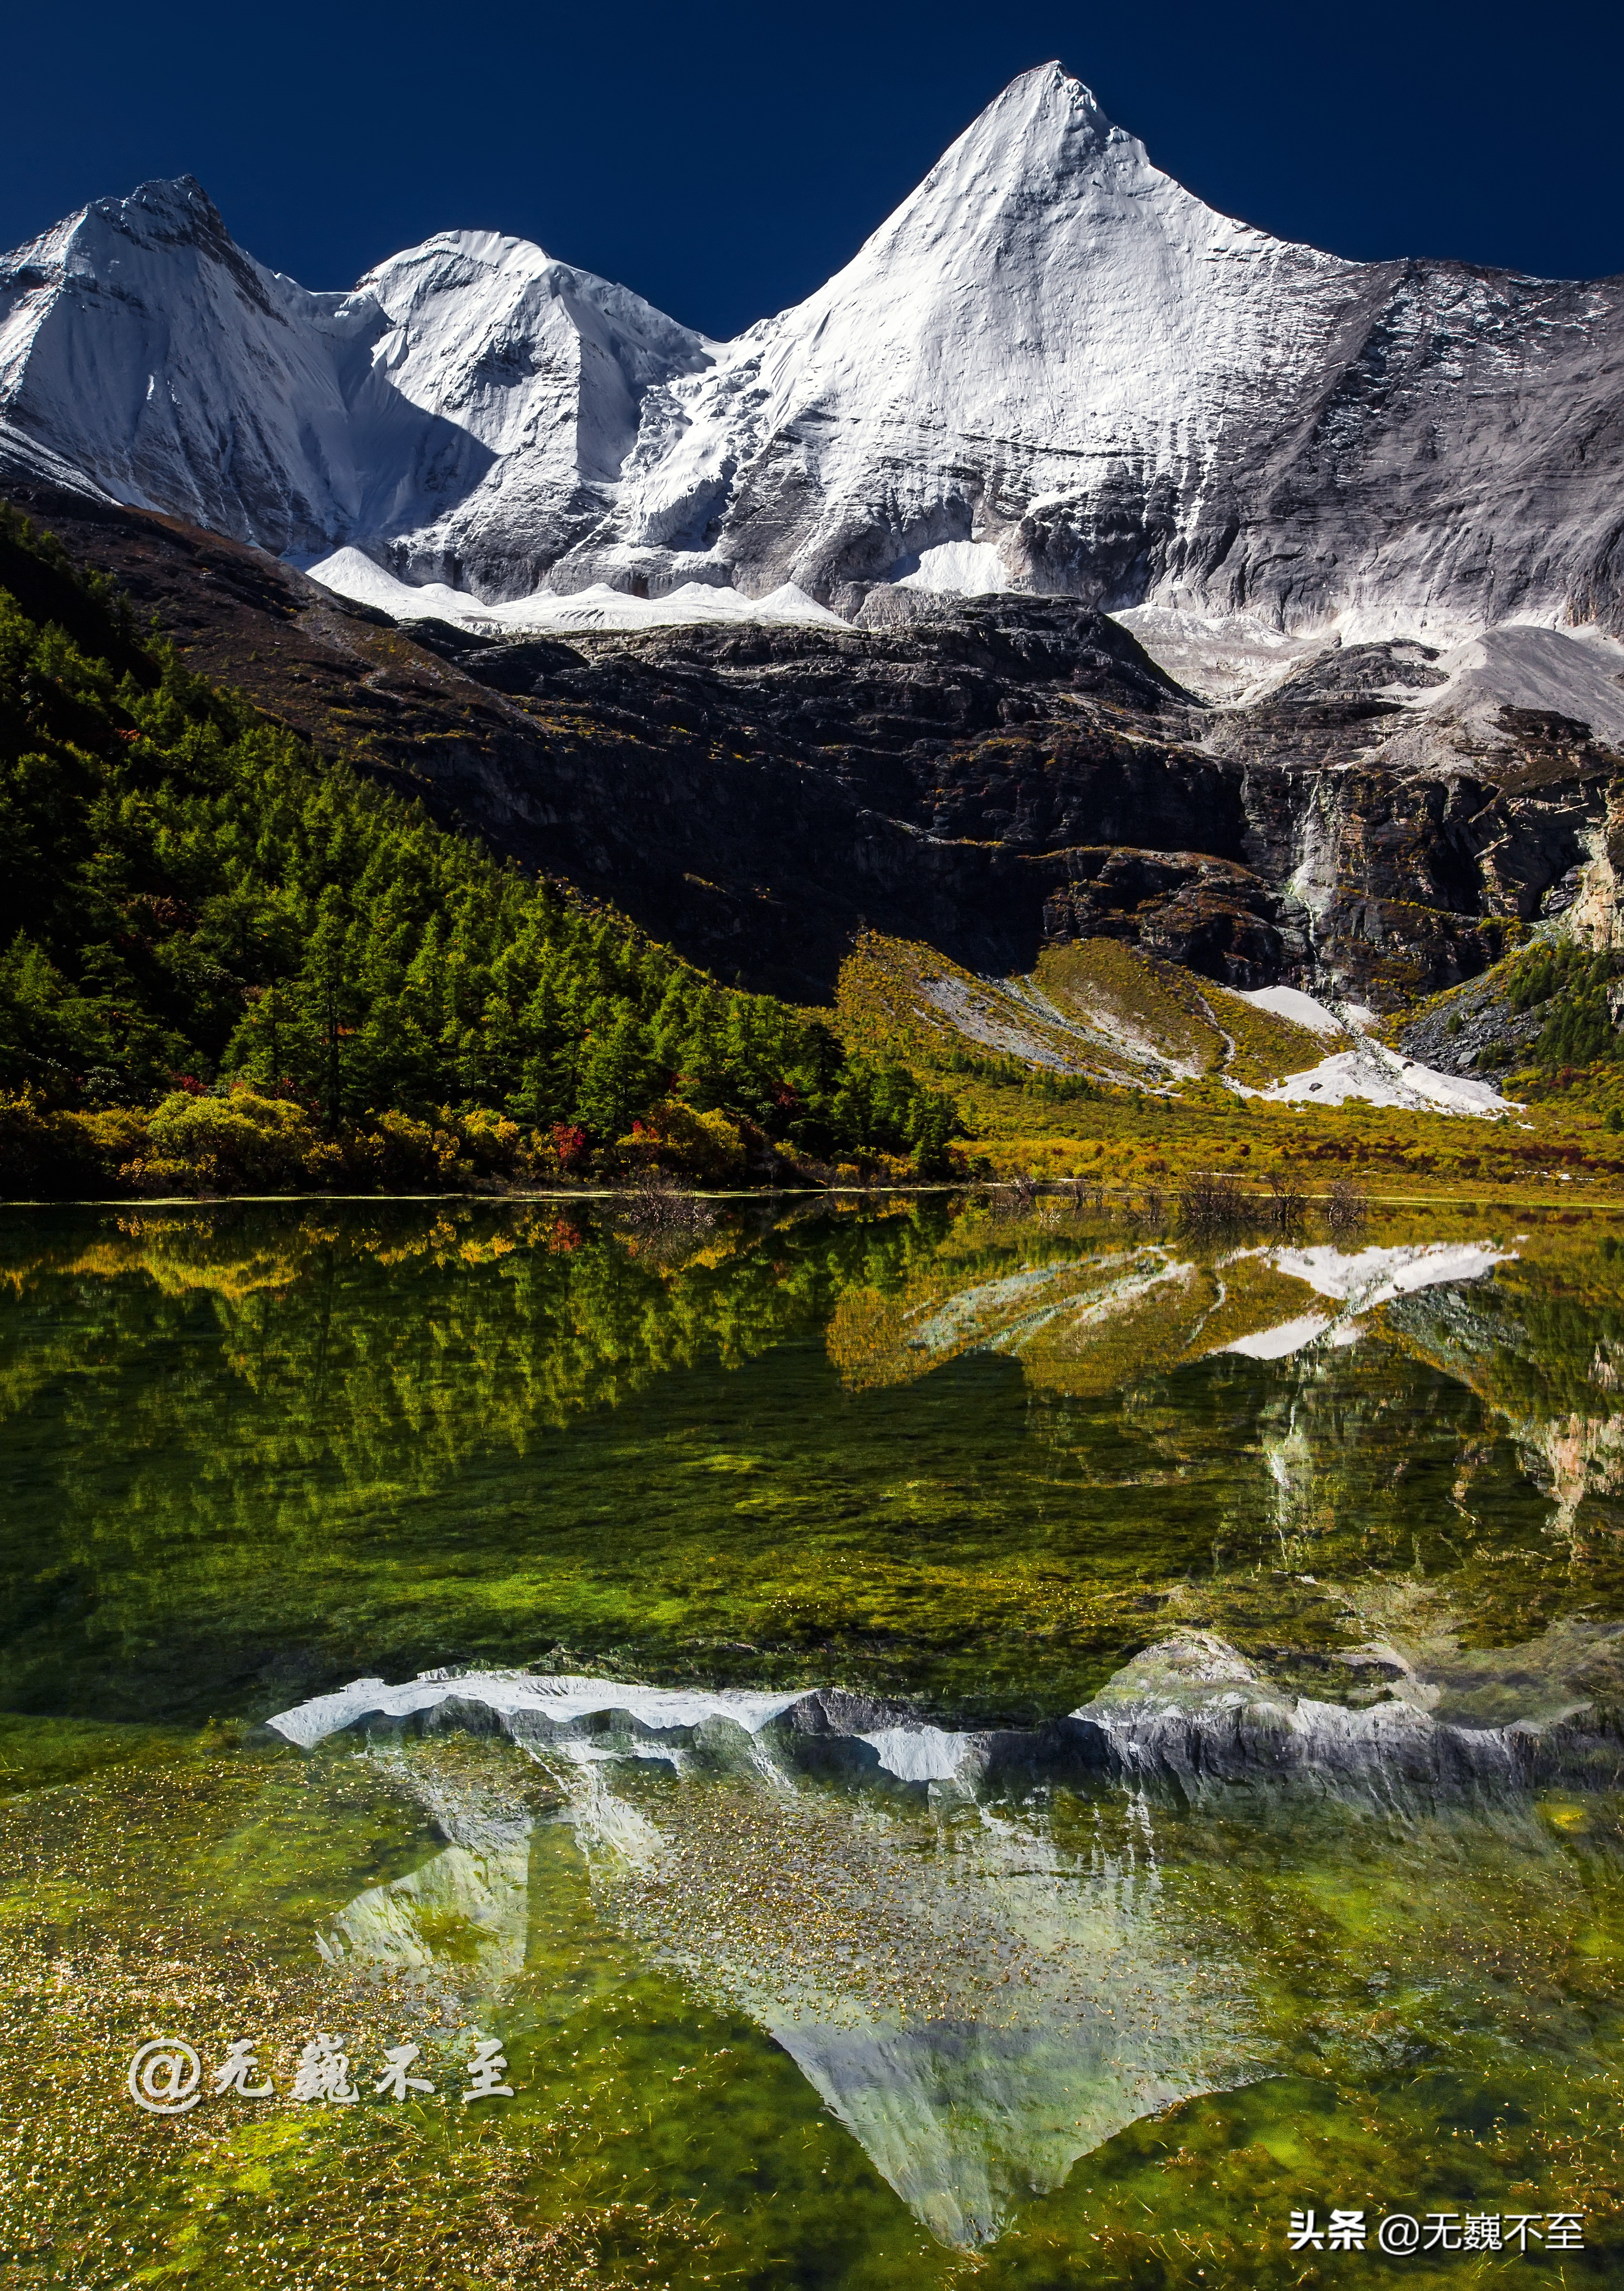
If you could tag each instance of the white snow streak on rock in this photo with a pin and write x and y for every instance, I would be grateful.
(988, 1012)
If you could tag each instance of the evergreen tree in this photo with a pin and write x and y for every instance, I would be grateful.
(192, 892)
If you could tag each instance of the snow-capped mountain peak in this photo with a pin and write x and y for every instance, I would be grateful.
(141, 345)
(1047, 311)
(1051, 368)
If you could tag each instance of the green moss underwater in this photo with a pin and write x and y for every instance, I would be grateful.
(769, 2021)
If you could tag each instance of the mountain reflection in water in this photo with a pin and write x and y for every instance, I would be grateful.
(985, 1975)
(930, 1452)
(979, 2006)
(1023, 1688)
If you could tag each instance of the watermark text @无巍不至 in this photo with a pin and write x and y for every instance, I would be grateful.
(166, 2075)
(1400, 2234)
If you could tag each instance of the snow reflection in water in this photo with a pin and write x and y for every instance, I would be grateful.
(967, 1941)
(978, 2003)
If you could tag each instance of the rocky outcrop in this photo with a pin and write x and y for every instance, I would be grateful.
(1192, 1713)
(1415, 837)
(979, 773)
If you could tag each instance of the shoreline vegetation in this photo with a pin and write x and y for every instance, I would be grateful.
(238, 968)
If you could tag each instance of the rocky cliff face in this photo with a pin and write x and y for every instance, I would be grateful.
(985, 775)
(1408, 823)
(1015, 770)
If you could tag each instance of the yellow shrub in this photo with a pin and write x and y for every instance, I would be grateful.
(408, 1153)
(705, 1147)
(230, 1143)
(117, 1133)
(489, 1141)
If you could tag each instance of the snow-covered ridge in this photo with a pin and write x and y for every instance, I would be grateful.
(560, 1699)
(1051, 369)
(141, 345)
(1191, 1683)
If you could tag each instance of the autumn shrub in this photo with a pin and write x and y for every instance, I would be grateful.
(115, 1135)
(237, 1144)
(656, 1204)
(411, 1156)
(491, 1143)
(1345, 1207)
(706, 1148)
(1209, 1202)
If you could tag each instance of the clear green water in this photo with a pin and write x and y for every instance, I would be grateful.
(833, 2031)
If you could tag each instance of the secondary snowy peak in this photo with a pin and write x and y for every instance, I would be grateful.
(138, 341)
(1051, 369)
(141, 345)
(501, 394)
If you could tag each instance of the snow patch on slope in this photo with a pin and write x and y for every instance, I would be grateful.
(1234, 660)
(965, 569)
(1300, 1008)
(1375, 1276)
(1378, 1076)
(1278, 1343)
(919, 1754)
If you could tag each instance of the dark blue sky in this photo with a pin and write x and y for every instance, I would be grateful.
(723, 159)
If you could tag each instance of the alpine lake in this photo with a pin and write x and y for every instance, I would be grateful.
(931, 1742)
